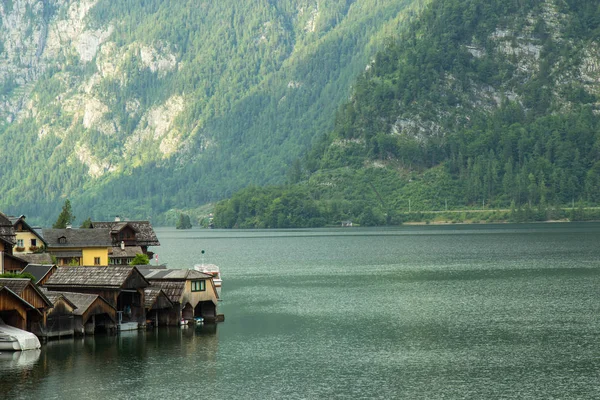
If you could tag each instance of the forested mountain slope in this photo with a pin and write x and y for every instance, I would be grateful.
(137, 107)
(479, 104)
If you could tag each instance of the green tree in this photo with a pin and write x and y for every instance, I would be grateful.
(87, 224)
(66, 216)
(184, 222)
(140, 259)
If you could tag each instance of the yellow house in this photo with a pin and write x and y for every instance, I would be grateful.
(28, 240)
(78, 246)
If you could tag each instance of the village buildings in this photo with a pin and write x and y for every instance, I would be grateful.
(81, 281)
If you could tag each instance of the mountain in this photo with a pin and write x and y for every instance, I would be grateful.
(144, 107)
(477, 104)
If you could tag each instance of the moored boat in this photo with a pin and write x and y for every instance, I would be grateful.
(15, 339)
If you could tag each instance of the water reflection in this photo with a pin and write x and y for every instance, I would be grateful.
(98, 367)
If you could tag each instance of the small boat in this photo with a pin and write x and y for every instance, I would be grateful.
(15, 339)
(214, 271)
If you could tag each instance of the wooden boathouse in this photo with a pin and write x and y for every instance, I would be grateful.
(123, 287)
(193, 294)
(34, 319)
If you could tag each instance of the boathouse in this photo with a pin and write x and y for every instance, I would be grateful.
(34, 319)
(60, 318)
(158, 306)
(193, 293)
(123, 287)
(92, 312)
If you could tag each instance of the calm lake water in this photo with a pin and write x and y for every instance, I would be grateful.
(470, 311)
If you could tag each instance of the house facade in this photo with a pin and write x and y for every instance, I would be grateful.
(27, 239)
(90, 247)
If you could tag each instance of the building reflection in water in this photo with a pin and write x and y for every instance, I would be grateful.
(70, 367)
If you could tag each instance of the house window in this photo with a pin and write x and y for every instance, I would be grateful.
(96, 260)
(34, 242)
(198, 286)
(62, 240)
(19, 242)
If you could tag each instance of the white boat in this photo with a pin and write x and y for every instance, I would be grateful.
(15, 339)
(214, 271)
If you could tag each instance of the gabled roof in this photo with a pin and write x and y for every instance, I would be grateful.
(7, 232)
(55, 296)
(6, 289)
(172, 274)
(77, 238)
(145, 235)
(128, 252)
(82, 301)
(15, 220)
(173, 289)
(113, 277)
(37, 258)
(18, 285)
(39, 271)
(152, 294)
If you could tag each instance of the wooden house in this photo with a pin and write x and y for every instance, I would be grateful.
(7, 240)
(35, 319)
(14, 264)
(78, 246)
(122, 287)
(41, 273)
(14, 309)
(158, 305)
(126, 234)
(60, 317)
(28, 240)
(193, 293)
(91, 313)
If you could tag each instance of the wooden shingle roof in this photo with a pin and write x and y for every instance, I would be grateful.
(106, 277)
(55, 296)
(7, 232)
(18, 286)
(152, 294)
(77, 238)
(129, 251)
(172, 274)
(144, 236)
(174, 290)
(37, 258)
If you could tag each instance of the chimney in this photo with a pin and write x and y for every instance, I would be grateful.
(122, 245)
(69, 226)
(117, 218)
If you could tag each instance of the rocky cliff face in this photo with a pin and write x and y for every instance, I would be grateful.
(53, 41)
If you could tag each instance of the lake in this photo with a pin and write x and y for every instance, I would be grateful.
(415, 312)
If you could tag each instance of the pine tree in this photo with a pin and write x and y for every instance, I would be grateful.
(66, 216)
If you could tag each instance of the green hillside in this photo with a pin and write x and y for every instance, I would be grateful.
(139, 108)
(488, 104)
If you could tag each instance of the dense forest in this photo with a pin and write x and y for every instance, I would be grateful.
(149, 108)
(477, 105)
